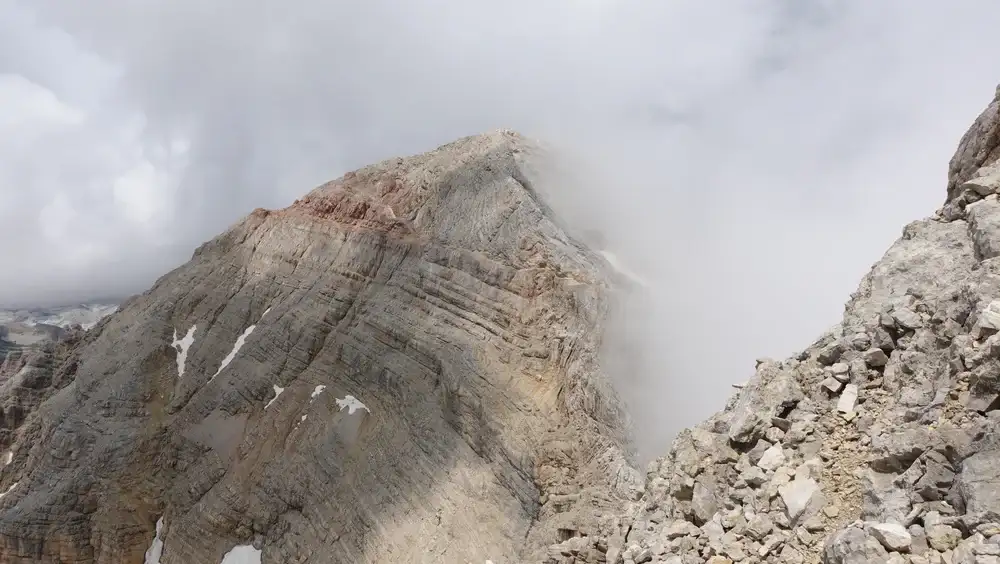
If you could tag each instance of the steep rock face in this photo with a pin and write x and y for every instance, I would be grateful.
(400, 367)
(879, 443)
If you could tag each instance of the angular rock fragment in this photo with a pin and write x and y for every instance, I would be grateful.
(801, 498)
(770, 393)
(854, 546)
(848, 398)
(876, 358)
(979, 481)
(772, 458)
(907, 318)
(832, 385)
(893, 536)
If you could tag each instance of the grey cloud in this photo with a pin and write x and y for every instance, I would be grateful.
(753, 161)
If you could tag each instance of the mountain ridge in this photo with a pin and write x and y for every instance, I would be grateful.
(403, 351)
(414, 348)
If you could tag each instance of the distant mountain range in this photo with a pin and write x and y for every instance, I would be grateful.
(21, 328)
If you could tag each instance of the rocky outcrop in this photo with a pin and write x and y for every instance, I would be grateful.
(400, 367)
(879, 443)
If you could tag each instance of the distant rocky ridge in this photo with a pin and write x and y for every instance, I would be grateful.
(86, 314)
(33, 327)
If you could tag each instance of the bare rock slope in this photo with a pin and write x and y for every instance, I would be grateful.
(878, 444)
(400, 367)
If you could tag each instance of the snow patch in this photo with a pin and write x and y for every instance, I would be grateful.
(352, 404)
(182, 346)
(316, 392)
(10, 489)
(277, 392)
(242, 554)
(617, 265)
(265, 313)
(8, 458)
(155, 549)
(240, 341)
(301, 420)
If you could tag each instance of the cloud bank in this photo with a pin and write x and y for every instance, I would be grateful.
(751, 162)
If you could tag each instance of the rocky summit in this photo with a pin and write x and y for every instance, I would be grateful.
(400, 367)
(403, 367)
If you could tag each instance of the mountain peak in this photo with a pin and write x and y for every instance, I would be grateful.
(402, 363)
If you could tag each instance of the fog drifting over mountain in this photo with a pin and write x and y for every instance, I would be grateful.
(750, 164)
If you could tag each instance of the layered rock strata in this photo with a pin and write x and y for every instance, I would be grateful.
(400, 367)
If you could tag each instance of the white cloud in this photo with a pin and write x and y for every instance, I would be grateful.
(25, 106)
(749, 163)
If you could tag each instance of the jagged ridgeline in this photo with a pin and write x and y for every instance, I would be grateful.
(402, 367)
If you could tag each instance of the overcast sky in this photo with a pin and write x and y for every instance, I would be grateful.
(755, 157)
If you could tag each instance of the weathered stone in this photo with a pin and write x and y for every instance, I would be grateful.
(979, 481)
(770, 393)
(772, 458)
(943, 537)
(848, 398)
(893, 536)
(853, 546)
(678, 528)
(704, 504)
(832, 384)
(876, 358)
(918, 539)
(937, 477)
(896, 451)
(883, 499)
(759, 527)
(831, 353)
(907, 318)
(989, 318)
(860, 341)
(840, 370)
(800, 496)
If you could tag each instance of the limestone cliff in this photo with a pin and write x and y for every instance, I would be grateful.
(400, 367)
(879, 443)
